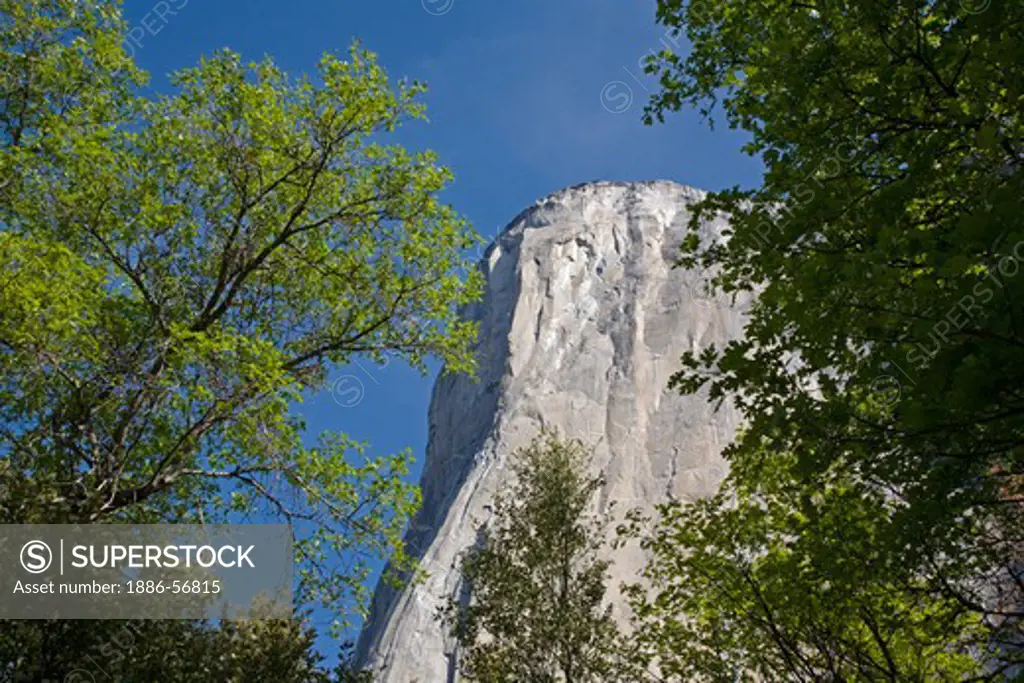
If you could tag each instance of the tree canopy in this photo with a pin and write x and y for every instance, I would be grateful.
(178, 270)
(531, 603)
(872, 520)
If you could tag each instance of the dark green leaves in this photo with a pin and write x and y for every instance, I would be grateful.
(881, 367)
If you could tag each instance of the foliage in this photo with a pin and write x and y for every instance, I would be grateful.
(171, 651)
(767, 586)
(880, 373)
(531, 604)
(178, 271)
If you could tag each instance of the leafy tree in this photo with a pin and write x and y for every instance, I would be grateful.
(172, 651)
(749, 586)
(531, 607)
(880, 374)
(177, 271)
(348, 669)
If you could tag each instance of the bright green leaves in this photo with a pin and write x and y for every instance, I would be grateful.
(529, 607)
(178, 270)
(48, 297)
(61, 64)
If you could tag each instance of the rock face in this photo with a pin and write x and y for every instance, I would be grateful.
(583, 322)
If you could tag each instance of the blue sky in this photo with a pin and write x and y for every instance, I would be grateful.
(525, 98)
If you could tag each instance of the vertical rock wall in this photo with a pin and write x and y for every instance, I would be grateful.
(583, 322)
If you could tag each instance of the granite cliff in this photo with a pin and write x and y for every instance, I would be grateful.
(583, 322)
